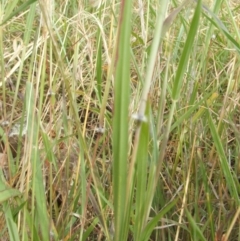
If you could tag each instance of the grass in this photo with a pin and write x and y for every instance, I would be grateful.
(119, 122)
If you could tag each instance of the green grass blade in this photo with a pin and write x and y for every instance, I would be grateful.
(34, 155)
(99, 67)
(17, 11)
(120, 121)
(208, 97)
(141, 179)
(12, 226)
(223, 160)
(8, 193)
(218, 24)
(152, 224)
(186, 53)
(152, 58)
(198, 233)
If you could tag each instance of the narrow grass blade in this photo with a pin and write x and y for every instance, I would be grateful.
(194, 227)
(140, 148)
(141, 179)
(120, 121)
(152, 58)
(223, 160)
(99, 67)
(48, 147)
(152, 224)
(218, 24)
(89, 230)
(171, 17)
(12, 226)
(186, 53)
(34, 155)
(17, 11)
(8, 193)
(179, 78)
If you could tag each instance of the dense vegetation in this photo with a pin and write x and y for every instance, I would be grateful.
(119, 120)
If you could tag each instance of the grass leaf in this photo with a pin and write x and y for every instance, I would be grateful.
(8, 193)
(223, 160)
(17, 11)
(120, 121)
(186, 53)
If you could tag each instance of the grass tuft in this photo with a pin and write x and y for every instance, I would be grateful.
(119, 120)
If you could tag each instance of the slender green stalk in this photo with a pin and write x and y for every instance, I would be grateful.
(40, 211)
(120, 123)
(232, 185)
(140, 148)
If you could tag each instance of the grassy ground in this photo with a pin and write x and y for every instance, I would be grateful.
(118, 122)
